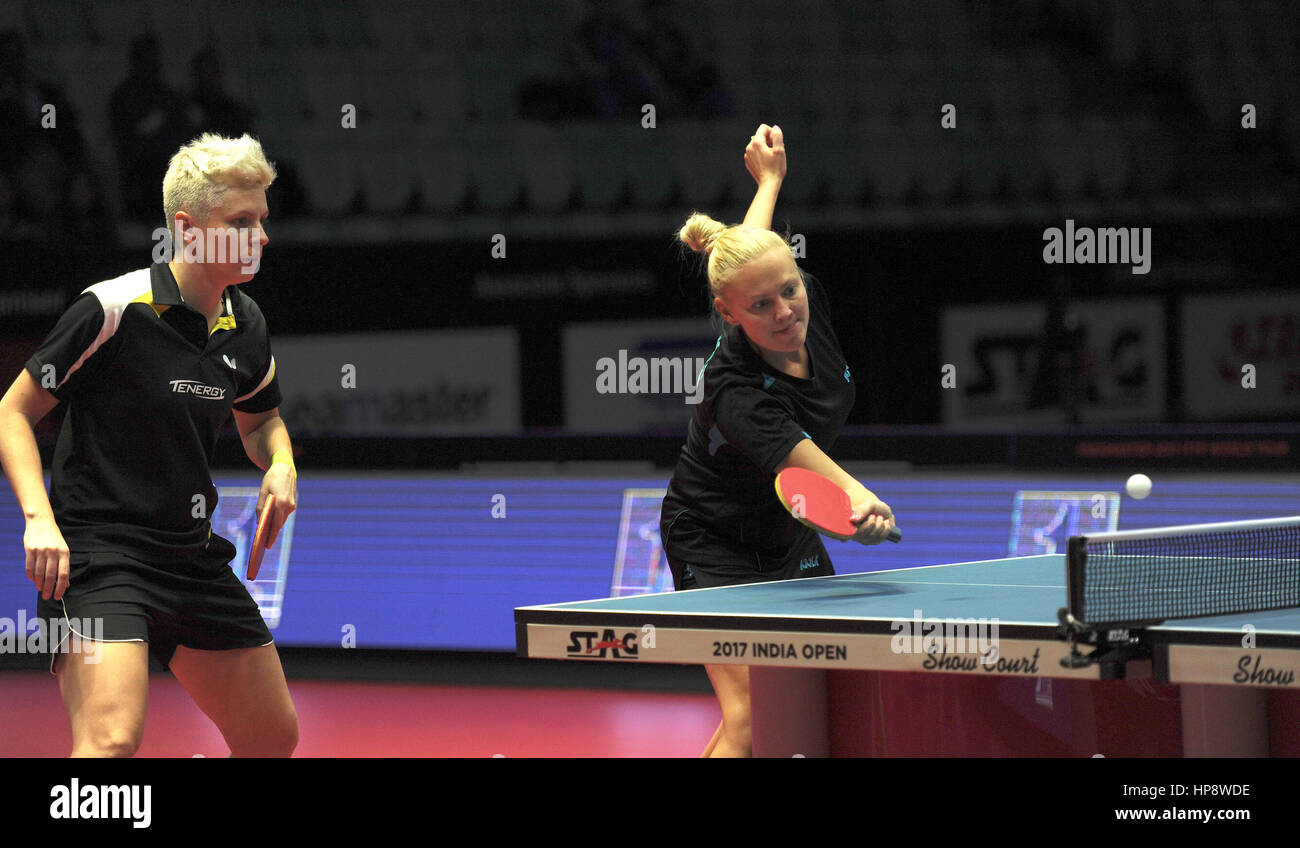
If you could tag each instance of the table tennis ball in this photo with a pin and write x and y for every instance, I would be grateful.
(1138, 486)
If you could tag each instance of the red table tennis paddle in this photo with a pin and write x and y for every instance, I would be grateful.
(817, 502)
(259, 538)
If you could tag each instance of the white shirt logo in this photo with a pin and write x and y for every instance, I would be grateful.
(228, 360)
(194, 387)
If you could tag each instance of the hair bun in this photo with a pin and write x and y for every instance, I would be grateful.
(700, 232)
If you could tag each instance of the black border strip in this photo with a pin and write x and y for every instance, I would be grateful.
(676, 621)
(1223, 639)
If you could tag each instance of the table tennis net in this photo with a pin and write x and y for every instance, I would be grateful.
(1138, 578)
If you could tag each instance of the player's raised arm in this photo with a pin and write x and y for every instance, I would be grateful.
(47, 557)
(765, 161)
(872, 515)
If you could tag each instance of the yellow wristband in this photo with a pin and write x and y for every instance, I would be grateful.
(286, 456)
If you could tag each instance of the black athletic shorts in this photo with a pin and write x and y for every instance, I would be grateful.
(200, 603)
(731, 565)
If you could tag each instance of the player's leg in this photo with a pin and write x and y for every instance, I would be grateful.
(713, 743)
(105, 689)
(244, 692)
(225, 659)
(731, 683)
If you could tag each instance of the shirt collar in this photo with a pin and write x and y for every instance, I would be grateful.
(166, 293)
(165, 290)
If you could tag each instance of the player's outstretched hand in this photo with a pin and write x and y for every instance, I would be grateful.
(874, 518)
(765, 154)
(47, 557)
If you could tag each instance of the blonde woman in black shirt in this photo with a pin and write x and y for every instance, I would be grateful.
(150, 366)
(777, 391)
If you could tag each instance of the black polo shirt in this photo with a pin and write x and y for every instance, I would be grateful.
(147, 391)
(750, 417)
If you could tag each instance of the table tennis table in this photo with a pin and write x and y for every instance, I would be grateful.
(840, 665)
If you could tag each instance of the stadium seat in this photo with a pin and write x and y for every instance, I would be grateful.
(951, 28)
(1108, 158)
(842, 161)
(1015, 158)
(491, 87)
(937, 158)
(283, 25)
(442, 169)
(331, 78)
(709, 161)
(889, 164)
(828, 81)
(1042, 83)
(232, 27)
(275, 87)
(112, 24)
(877, 90)
(1005, 87)
(1066, 155)
(337, 24)
(545, 163)
(918, 92)
(88, 76)
(387, 168)
(330, 172)
(649, 163)
(12, 16)
(984, 154)
(1152, 153)
(496, 174)
(602, 173)
(817, 163)
(438, 85)
(386, 82)
(53, 24)
(395, 25)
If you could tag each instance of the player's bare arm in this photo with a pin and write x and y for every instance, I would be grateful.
(266, 441)
(22, 407)
(872, 515)
(765, 161)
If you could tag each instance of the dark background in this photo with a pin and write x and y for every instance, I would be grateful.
(527, 122)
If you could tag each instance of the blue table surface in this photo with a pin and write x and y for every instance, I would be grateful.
(1017, 591)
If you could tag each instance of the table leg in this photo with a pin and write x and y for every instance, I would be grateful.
(1224, 721)
(788, 713)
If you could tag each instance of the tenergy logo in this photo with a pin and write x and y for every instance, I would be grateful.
(194, 387)
(75, 801)
(591, 644)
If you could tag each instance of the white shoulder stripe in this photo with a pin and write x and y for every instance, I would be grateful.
(114, 296)
(270, 374)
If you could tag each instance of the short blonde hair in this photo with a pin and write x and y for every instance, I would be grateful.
(729, 248)
(201, 172)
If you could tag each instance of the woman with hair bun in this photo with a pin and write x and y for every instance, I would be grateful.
(777, 391)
